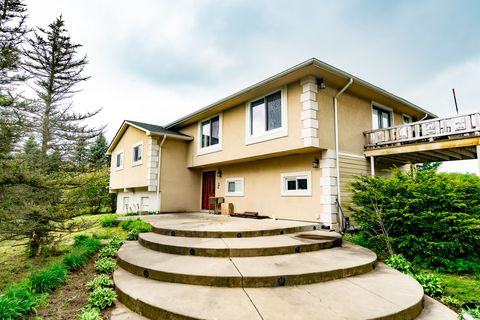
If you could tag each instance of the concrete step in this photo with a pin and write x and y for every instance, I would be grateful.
(381, 294)
(434, 310)
(265, 271)
(242, 247)
(213, 226)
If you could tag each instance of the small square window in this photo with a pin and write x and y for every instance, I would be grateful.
(234, 187)
(296, 184)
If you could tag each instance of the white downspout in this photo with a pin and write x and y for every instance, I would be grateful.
(158, 171)
(337, 156)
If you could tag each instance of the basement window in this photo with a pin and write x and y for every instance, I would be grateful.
(234, 187)
(296, 184)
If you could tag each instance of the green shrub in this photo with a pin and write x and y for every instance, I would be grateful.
(90, 246)
(133, 234)
(129, 214)
(18, 301)
(90, 314)
(102, 298)
(79, 239)
(74, 260)
(116, 242)
(432, 218)
(450, 301)
(100, 281)
(105, 265)
(473, 312)
(138, 224)
(49, 279)
(152, 213)
(109, 221)
(398, 262)
(108, 252)
(432, 284)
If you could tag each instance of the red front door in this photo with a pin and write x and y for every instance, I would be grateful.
(208, 188)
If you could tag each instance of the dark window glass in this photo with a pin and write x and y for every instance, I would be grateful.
(119, 160)
(137, 153)
(274, 111)
(231, 186)
(302, 184)
(291, 185)
(381, 118)
(210, 132)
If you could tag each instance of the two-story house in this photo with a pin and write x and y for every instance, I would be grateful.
(286, 147)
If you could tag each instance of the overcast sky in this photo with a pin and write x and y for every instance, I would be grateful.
(155, 61)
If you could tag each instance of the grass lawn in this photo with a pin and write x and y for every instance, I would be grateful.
(464, 288)
(15, 265)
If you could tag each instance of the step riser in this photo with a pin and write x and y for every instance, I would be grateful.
(246, 282)
(148, 310)
(247, 252)
(231, 234)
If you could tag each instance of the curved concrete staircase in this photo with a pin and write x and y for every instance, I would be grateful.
(196, 266)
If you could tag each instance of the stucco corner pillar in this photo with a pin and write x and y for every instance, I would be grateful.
(308, 98)
(328, 185)
(152, 165)
(372, 166)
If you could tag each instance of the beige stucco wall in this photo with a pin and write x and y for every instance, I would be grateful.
(262, 187)
(234, 126)
(130, 176)
(179, 186)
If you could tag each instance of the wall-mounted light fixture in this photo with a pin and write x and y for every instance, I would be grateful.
(219, 173)
(321, 83)
(315, 163)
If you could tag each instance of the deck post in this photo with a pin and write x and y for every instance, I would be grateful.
(372, 165)
(478, 159)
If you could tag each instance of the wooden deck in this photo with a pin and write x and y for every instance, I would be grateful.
(439, 139)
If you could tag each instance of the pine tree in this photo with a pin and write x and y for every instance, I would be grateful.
(52, 64)
(80, 154)
(97, 154)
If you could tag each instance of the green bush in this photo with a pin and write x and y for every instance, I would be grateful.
(432, 284)
(108, 252)
(450, 301)
(130, 214)
(133, 234)
(102, 298)
(90, 246)
(90, 314)
(138, 224)
(152, 213)
(100, 281)
(19, 301)
(116, 242)
(79, 239)
(74, 260)
(48, 279)
(105, 265)
(109, 221)
(398, 262)
(433, 219)
(81, 253)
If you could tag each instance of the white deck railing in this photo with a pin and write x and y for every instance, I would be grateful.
(424, 130)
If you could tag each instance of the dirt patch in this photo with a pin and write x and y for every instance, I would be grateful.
(66, 302)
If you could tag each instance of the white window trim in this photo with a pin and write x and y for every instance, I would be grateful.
(272, 134)
(123, 162)
(384, 107)
(296, 193)
(213, 148)
(406, 116)
(236, 193)
(139, 162)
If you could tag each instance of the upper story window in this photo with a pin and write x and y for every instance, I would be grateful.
(210, 132)
(381, 117)
(119, 160)
(137, 154)
(267, 117)
(406, 119)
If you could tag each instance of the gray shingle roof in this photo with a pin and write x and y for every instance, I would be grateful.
(156, 129)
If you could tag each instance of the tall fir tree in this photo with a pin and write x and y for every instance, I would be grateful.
(53, 65)
(97, 153)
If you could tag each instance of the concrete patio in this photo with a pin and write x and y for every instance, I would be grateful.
(200, 266)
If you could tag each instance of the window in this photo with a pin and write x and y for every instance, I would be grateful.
(234, 187)
(144, 201)
(381, 118)
(266, 117)
(296, 184)
(125, 204)
(119, 160)
(406, 119)
(210, 133)
(137, 154)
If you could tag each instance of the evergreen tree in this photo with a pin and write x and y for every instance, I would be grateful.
(97, 154)
(52, 64)
(80, 155)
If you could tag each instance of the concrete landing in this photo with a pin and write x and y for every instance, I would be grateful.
(434, 310)
(242, 247)
(205, 225)
(263, 271)
(381, 294)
